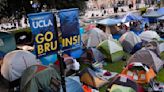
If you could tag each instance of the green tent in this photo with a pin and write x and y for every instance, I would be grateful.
(111, 49)
(119, 88)
(39, 77)
(7, 42)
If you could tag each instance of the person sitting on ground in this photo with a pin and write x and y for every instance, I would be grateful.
(70, 64)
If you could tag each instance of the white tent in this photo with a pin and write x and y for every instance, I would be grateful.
(15, 63)
(93, 37)
(161, 47)
(128, 40)
(149, 36)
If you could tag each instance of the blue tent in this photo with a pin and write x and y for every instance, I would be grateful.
(161, 11)
(131, 17)
(109, 21)
(73, 84)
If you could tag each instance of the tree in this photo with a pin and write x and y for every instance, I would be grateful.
(3, 6)
(10, 7)
(162, 3)
(64, 4)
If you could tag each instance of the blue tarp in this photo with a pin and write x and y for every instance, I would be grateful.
(153, 14)
(109, 21)
(161, 11)
(49, 59)
(131, 17)
(161, 18)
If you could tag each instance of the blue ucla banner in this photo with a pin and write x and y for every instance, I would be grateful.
(69, 24)
(45, 35)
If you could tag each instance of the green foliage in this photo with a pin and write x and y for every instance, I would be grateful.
(65, 4)
(3, 6)
(27, 30)
(143, 10)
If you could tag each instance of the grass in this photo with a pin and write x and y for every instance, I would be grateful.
(115, 67)
(160, 75)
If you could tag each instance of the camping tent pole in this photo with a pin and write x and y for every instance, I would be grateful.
(59, 55)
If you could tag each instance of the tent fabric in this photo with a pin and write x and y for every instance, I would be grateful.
(89, 77)
(152, 14)
(137, 47)
(153, 46)
(92, 55)
(87, 89)
(34, 79)
(147, 57)
(119, 88)
(15, 62)
(125, 81)
(93, 37)
(6, 39)
(130, 17)
(161, 10)
(143, 75)
(73, 84)
(161, 18)
(129, 40)
(161, 47)
(90, 27)
(109, 21)
(111, 49)
(149, 36)
(75, 52)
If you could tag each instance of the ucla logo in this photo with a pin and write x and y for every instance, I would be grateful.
(42, 23)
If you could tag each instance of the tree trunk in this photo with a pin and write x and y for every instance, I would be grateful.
(162, 3)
